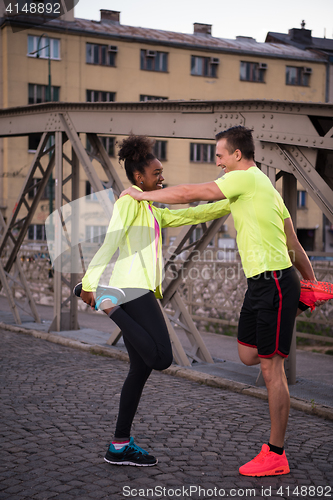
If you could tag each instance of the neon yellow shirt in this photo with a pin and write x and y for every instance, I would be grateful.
(259, 212)
(132, 229)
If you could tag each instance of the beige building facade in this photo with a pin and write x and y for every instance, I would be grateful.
(106, 61)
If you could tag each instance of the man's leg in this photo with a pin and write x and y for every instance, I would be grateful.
(278, 397)
(248, 355)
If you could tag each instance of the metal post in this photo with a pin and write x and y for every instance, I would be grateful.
(289, 193)
(56, 324)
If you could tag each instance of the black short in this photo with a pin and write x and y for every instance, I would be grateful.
(269, 310)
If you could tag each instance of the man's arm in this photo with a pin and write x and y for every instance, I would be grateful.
(194, 215)
(185, 193)
(297, 253)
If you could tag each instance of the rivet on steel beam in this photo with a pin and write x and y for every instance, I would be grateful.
(272, 116)
(277, 136)
(174, 121)
(236, 117)
(257, 136)
(270, 162)
(284, 138)
(216, 120)
(262, 159)
(226, 116)
(321, 142)
(231, 116)
(263, 125)
(263, 116)
(271, 126)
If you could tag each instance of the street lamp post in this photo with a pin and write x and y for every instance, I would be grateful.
(48, 96)
(48, 99)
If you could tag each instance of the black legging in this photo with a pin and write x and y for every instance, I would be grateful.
(148, 344)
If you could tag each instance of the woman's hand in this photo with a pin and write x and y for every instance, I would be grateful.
(88, 298)
(135, 193)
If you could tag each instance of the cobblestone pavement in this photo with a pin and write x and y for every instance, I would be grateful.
(58, 413)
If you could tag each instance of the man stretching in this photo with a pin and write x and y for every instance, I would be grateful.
(268, 247)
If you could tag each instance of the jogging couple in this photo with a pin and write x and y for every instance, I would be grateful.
(268, 247)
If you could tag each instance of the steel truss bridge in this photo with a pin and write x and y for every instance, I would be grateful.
(294, 140)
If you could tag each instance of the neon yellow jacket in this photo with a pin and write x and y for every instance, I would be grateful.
(132, 230)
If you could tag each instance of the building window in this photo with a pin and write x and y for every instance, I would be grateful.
(108, 143)
(152, 60)
(298, 76)
(160, 150)
(40, 93)
(37, 232)
(96, 234)
(252, 72)
(46, 194)
(203, 153)
(105, 55)
(204, 66)
(100, 96)
(144, 98)
(34, 140)
(43, 47)
(301, 199)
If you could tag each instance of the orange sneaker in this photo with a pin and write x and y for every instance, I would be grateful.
(267, 463)
(311, 291)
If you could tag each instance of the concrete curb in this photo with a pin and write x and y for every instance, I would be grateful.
(176, 371)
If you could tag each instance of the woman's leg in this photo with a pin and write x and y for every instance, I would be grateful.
(142, 324)
(131, 392)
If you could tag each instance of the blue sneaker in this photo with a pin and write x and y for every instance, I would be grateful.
(106, 296)
(131, 454)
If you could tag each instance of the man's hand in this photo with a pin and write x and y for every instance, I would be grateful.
(135, 193)
(88, 298)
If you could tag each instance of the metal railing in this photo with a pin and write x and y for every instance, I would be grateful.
(213, 291)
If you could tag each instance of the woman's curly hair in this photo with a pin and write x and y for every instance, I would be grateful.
(137, 152)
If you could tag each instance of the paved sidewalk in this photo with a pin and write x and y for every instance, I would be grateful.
(58, 413)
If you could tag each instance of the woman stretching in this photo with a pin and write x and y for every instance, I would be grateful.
(135, 228)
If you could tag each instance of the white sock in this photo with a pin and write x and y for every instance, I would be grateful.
(118, 444)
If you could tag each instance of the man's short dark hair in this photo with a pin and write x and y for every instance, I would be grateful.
(238, 138)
